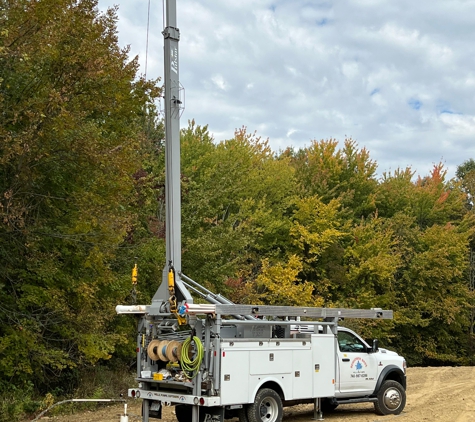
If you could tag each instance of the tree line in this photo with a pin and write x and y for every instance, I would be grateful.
(82, 200)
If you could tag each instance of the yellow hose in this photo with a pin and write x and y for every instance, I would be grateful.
(188, 364)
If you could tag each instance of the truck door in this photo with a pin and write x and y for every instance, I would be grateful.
(357, 367)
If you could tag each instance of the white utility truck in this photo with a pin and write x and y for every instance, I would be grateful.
(251, 365)
(222, 360)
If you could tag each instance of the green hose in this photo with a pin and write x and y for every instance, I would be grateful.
(191, 365)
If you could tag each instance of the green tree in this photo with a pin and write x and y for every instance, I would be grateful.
(70, 129)
(465, 168)
(372, 261)
(429, 221)
(394, 192)
(432, 306)
(466, 174)
(315, 234)
(235, 194)
(346, 174)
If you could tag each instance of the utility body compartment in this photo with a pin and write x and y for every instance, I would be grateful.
(302, 368)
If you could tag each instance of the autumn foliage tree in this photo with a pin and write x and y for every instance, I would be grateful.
(71, 123)
(315, 226)
(346, 173)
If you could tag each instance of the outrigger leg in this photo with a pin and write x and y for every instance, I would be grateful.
(317, 410)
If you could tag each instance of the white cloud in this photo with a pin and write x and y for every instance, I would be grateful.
(459, 126)
(219, 81)
(397, 76)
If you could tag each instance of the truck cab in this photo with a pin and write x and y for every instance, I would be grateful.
(368, 373)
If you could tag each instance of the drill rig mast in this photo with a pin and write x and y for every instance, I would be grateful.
(171, 281)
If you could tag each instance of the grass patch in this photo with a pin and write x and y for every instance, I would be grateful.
(99, 382)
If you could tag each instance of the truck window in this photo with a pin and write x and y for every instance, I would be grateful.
(349, 343)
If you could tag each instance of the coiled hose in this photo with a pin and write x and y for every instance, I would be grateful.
(188, 364)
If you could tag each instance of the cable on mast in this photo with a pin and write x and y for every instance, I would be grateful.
(146, 44)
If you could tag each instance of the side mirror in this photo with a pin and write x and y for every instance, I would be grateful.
(375, 347)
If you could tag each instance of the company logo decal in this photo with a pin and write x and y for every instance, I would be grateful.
(359, 366)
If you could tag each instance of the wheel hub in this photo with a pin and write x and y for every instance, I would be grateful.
(392, 399)
(268, 410)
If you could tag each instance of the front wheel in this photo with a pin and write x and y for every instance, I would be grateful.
(391, 399)
(267, 407)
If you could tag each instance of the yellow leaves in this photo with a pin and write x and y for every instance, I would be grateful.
(87, 291)
(47, 401)
(278, 284)
(372, 258)
(315, 226)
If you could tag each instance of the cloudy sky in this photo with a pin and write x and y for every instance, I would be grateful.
(397, 76)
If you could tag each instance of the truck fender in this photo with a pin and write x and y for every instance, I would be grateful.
(268, 382)
(397, 374)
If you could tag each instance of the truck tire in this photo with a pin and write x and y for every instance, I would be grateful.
(267, 407)
(328, 406)
(391, 398)
(242, 414)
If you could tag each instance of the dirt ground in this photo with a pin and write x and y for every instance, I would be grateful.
(433, 394)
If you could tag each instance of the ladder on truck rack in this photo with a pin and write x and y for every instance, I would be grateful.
(288, 311)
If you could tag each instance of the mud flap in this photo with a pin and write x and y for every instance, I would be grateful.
(154, 410)
(212, 414)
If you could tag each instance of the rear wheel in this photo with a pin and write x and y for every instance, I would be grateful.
(242, 414)
(267, 407)
(391, 399)
(328, 406)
